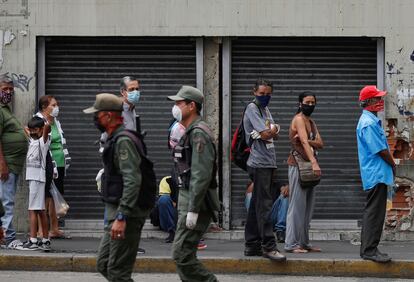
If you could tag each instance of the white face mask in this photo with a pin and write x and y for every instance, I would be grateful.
(55, 112)
(177, 114)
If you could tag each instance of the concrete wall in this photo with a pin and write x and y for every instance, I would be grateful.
(21, 21)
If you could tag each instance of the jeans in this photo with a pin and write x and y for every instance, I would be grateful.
(279, 213)
(167, 212)
(7, 195)
(258, 231)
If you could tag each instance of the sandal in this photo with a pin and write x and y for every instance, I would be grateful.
(314, 249)
(59, 235)
(297, 251)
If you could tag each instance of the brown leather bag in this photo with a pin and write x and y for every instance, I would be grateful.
(307, 178)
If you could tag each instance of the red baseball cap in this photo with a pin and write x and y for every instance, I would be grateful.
(370, 91)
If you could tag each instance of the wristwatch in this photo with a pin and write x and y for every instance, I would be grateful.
(120, 216)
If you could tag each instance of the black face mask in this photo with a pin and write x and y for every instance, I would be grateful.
(307, 110)
(99, 126)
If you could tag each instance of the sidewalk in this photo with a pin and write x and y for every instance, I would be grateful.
(339, 258)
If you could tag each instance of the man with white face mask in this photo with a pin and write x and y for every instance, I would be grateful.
(195, 171)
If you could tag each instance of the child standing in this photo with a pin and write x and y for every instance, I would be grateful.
(36, 176)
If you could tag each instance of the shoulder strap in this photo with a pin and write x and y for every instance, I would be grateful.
(204, 128)
(248, 105)
(137, 141)
(313, 127)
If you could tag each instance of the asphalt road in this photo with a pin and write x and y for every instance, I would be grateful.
(26, 276)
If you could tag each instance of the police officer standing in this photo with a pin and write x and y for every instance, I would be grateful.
(118, 248)
(195, 159)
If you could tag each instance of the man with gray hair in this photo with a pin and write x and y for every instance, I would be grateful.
(129, 88)
(13, 149)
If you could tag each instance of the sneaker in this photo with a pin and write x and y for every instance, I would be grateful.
(201, 245)
(44, 246)
(140, 251)
(378, 257)
(274, 255)
(27, 246)
(14, 244)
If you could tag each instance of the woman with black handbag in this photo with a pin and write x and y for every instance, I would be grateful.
(304, 175)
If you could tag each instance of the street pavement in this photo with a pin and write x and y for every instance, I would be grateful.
(398, 250)
(30, 276)
(338, 258)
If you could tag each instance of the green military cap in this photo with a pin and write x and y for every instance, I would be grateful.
(105, 102)
(188, 93)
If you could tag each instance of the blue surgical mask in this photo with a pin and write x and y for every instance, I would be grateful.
(133, 97)
(263, 100)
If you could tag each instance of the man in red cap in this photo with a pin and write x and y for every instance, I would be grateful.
(377, 171)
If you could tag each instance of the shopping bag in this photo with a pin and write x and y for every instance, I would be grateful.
(61, 206)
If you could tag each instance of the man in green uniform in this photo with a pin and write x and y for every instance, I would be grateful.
(118, 248)
(195, 164)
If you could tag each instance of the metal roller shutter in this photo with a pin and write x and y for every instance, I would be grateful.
(335, 69)
(77, 68)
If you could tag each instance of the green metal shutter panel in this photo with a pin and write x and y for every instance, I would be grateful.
(77, 68)
(335, 69)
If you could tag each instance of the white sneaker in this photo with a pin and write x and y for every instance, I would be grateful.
(44, 246)
(28, 246)
(14, 244)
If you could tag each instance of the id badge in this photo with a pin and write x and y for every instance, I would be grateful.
(178, 155)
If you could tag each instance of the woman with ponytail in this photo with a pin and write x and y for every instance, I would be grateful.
(306, 140)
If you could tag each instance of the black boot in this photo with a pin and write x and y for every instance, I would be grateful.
(170, 237)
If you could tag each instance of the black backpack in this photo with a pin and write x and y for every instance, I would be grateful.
(240, 150)
(148, 192)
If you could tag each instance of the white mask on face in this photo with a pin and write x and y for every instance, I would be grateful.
(55, 112)
(177, 114)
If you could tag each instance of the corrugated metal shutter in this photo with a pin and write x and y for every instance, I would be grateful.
(335, 69)
(77, 68)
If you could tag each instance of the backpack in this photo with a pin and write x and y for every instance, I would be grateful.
(148, 192)
(240, 150)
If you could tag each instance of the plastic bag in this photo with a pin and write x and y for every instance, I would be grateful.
(391, 190)
(61, 206)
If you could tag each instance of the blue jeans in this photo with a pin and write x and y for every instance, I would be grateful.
(7, 195)
(168, 214)
(279, 213)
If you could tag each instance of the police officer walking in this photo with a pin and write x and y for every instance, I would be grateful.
(195, 164)
(126, 217)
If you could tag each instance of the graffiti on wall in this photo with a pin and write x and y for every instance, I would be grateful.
(400, 76)
(405, 101)
(12, 9)
(20, 81)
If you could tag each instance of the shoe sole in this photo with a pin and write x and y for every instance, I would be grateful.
(275, 259)
(378, 261)
(24, 249)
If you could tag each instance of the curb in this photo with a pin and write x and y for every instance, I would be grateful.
(300, 267)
